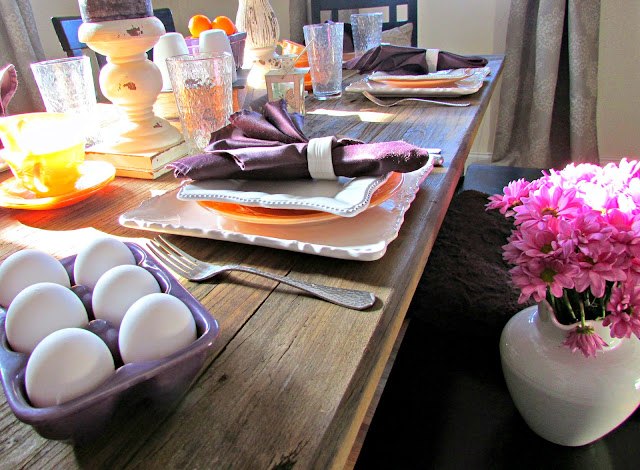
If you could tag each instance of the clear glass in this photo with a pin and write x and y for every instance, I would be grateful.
(66, 86)
(367, 31)
(324, 50)
(202, 87)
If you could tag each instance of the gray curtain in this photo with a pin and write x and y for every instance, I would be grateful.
(547, 113)
(21, 46)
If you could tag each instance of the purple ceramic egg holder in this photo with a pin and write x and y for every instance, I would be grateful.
(162, 381)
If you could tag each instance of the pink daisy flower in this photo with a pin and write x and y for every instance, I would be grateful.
(513, 193)
(626, 231)
(546, 239)
(549, 201)
(624, 311)
(535, 277)
(595, 269)
(584, 339)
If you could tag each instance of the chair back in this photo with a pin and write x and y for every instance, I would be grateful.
(334, 6)
(66, 28)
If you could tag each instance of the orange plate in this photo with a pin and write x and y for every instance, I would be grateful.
(93, 177)
(265, 215)
(430, 83)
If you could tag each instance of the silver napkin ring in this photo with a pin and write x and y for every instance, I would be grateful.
(319, 160)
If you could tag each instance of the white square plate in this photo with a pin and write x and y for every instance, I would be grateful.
(345, 197)
(364, 237)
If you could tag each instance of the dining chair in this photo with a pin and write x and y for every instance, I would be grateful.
(66, 28)
(335, 6)
(491, 179)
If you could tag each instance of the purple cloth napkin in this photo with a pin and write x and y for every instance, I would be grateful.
(402, 60)
(272, 146)
(8, 86)
(449, 60)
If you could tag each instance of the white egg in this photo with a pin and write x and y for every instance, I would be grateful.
(118, 289)
(98, 257)
(39, 310)
(28, 267)
(65, 365)
(155, 326)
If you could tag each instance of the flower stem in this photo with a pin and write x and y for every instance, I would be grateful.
(567, 303)
(582, 316)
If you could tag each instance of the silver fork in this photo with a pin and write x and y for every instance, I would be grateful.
(197, 270)
(379, 102)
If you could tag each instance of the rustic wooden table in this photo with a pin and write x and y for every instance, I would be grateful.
(290, 378)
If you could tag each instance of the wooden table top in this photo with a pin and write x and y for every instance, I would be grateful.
(290, 377)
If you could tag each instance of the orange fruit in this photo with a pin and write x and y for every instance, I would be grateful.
(197, 24)
(225, 24)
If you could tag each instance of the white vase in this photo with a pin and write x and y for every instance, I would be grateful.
(563, 396)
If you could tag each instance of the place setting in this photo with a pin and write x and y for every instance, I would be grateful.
(261, 181)
(400, 71)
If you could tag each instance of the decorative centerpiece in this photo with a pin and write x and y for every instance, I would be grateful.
(572, 363)
(124, 30)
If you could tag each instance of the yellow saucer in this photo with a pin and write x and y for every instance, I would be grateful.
(94, 175)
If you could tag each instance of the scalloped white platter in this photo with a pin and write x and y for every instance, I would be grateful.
(364, 237)
(345, 197)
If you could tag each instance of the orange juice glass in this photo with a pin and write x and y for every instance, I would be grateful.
(43, 151)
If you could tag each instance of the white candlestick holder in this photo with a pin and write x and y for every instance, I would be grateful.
(132, 82)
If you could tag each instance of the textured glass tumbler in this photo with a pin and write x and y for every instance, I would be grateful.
(324, 50)
(66, 86)
(367, 31)
(202, 87)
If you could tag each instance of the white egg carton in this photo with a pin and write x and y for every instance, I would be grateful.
(162, 381)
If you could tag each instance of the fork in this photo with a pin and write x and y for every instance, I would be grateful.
(379, 102)
(197, 270)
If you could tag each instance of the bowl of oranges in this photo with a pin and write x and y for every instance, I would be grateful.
(199, 23)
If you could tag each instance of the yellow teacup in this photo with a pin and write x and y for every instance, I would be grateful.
(43, 151)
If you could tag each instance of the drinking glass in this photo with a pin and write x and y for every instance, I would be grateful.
(324, 50)
(66, 86)
(367, 31)
(202, 84)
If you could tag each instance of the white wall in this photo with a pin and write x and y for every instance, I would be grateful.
(465, 27)
(468, 27)
(618, 73)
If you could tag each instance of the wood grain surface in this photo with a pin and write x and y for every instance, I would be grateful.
(290, 377)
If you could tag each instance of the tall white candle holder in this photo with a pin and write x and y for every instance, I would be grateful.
(132, 82)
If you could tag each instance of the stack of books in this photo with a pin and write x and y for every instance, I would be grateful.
(147, 165)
